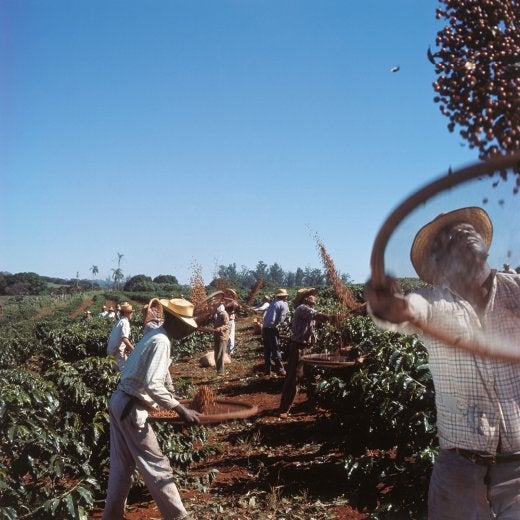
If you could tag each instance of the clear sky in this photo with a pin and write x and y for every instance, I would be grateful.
(182, 133)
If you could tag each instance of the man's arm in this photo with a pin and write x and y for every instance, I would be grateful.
(387, 302)
(128, 344)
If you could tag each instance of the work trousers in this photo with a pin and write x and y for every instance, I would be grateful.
(293, 377)
(133, 444)
(460, 489)
(219, 349)
(272, 351)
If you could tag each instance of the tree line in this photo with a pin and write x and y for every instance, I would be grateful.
(29, 283)
(276, 276)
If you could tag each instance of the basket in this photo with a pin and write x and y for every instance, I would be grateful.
(332, 360)
(220, 411)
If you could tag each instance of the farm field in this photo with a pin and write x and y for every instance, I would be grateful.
(267, 467)
(361, 447)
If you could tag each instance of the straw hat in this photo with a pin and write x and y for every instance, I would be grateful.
(126, 307)
(421, 248)
(230, 293)
(280, 293)
(301, 294)
(181, 309)
(153, 310)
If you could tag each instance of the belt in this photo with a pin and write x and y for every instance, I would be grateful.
(486, 459)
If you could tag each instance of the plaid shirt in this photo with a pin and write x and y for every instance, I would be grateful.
(477, 399)
(145, 373)
(303, 326)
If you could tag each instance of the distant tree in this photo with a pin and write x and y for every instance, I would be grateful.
(276, 274)
(17, 289)
(166, 278)
(24, 283)
(346, 278)
(290, 279)
(117, 276)
(95, 271)
(4, 282)
(246, 277)
(138, 283)
(261, 271)
(228, 272)
(313, 277)
(299, 277)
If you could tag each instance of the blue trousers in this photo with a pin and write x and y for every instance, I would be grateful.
(271, 350)
(462, 490)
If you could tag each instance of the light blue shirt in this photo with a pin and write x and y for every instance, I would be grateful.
(275, 314)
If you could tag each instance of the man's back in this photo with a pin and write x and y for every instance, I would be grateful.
(276, 313)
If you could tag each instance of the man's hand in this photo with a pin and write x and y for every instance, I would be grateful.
(387, 302)
(208, 330)
(188, 415)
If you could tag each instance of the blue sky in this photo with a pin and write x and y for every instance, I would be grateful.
(184, 133)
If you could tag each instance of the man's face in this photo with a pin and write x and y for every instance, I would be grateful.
(458, 248)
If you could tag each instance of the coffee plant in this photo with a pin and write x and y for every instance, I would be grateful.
(54, 425)
(384, 420)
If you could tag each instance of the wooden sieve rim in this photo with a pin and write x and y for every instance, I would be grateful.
(377, 264)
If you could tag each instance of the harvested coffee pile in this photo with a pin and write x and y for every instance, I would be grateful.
(204, 400)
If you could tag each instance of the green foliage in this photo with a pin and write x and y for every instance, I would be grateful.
(384, 416)
(139, 282)
(22, 283)
(39, 452)
(16, 345)
(70, 340)
(191, 345)
(54, 426)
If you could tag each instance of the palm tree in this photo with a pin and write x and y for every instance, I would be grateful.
(95, 271)
(119, 258)
(117, 275)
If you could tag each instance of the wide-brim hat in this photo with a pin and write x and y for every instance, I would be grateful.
(126, 307)
(280, 293)
(230, 293)
(421, 250)
(301, 294)
(181, 309)
(152, 310)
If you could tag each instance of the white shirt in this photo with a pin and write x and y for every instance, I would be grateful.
(146, 371)
(115, 347)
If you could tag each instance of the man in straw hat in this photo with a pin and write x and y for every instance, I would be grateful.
(274, 316)
(152, 315)
(477, 472)
(119, 344)
(132, 439)
(303, 335)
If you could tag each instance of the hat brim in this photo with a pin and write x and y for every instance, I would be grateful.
(421, 250)
(185, 319)
(303, 293)
(230, 293)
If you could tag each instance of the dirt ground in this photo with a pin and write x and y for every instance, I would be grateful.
(268, 468)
